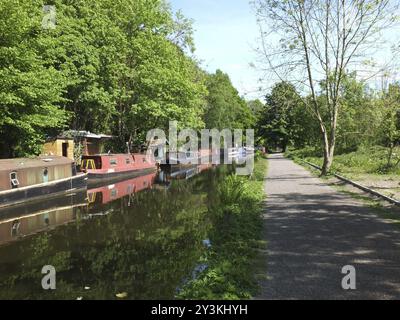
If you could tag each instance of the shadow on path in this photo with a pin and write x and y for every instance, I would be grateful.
(312, 231)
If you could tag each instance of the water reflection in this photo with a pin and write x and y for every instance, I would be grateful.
(109, 193)
(141, 236)
(20, 221)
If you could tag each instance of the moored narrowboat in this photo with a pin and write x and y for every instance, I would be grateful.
(105, 167)
(26, 179)
(189, 158)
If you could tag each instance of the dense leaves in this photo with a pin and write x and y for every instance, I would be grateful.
(120, 67)
(225, 108)
(368, 118)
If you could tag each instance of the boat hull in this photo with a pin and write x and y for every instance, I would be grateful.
(43, 190)
(100, 178)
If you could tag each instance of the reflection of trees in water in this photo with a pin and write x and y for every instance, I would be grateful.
(145, 249)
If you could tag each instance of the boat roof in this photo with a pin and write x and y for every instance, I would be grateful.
(114, 155)
(39, 162)
(85, 134)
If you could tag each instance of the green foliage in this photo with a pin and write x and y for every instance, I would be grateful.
(235, 238)
(31, 90)
(369, 159)
(225, 108)
(368, 132)
(284, 120)
(119, 67)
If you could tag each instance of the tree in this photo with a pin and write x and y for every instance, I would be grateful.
(31, 90)
(277, 123)
(360, 116)
(321, 39)
(225, 108)
(120, 67)
(390, 127)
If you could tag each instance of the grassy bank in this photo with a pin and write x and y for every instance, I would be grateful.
(235, 240)
(367, 166)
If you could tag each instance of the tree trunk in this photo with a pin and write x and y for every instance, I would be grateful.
(330, 141)
(329, 147)
(390, 156)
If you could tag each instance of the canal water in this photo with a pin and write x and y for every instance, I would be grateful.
(140, 238)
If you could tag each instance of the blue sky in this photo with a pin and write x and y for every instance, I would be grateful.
(225, 34)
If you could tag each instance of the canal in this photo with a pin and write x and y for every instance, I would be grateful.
(138, 239)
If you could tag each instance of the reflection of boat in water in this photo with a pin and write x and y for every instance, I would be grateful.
(181, 172)
(109, 193)
(23, 220)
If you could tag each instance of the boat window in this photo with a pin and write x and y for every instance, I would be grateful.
(113, 162)
(128, 161)
(15, 228)
(45, 175)
(14, 180)
(114, 193)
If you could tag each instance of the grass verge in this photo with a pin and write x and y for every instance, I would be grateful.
(236, 238)
(367, 166)
(383, 209)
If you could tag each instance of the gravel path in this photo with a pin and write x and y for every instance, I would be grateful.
(312, 231)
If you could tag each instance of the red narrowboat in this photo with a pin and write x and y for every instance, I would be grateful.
(116, 166)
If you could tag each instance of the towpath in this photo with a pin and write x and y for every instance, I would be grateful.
(313, 231)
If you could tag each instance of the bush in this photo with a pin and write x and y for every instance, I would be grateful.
(367, 159)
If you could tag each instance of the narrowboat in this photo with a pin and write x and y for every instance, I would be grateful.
(181, 157)
(189, 158)
(29, 179)
(233, 152)
(108, 167)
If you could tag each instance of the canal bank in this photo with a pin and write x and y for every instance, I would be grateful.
(233, 261)
(138, 245)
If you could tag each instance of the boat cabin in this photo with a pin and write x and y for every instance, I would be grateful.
(59, 146)
(116, 162)
(24, 172)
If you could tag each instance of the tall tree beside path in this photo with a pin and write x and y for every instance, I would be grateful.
(314, 43)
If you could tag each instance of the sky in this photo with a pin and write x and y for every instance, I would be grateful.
(225, 35)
